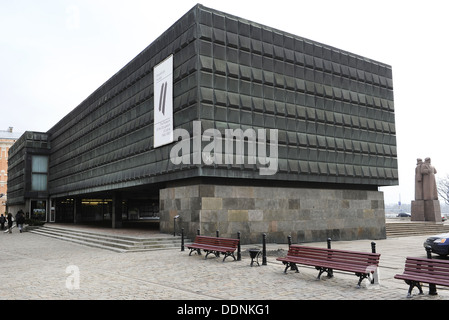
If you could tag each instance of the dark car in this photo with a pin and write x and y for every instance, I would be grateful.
(404, 215)
(439, 244)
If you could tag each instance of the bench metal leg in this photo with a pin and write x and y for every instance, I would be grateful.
(362, 276)
(413, 284)
(432, 289)
(229, 254)
(330, 272)
(290, 265)
(209, 252)
(198, 251)
(320, 272)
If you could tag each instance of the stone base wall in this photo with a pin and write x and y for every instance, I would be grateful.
(426, 210)
(306, 215)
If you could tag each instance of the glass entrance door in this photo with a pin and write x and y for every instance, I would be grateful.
(39, 210)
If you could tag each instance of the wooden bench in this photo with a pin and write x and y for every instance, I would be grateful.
(431, 271)
(326, 260)
(215, 245)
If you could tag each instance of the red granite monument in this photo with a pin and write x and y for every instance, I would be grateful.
(426, 206)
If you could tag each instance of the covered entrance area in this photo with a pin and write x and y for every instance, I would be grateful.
(127, 208)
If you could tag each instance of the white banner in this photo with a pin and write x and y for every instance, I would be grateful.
(163, 102)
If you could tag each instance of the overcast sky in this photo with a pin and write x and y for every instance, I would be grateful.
(54, 54)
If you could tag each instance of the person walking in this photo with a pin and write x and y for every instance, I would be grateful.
(10, 219)
(20, 220)
(2, 222)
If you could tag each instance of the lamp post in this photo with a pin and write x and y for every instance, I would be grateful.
(174, 225)
(264, 249)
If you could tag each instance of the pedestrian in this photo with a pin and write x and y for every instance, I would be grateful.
(10, 219)
(2, 222)
(20, 220)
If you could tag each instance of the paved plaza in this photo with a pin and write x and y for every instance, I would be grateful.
(42, 268)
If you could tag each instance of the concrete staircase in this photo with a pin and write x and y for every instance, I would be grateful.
(117, 243)
(409, 228)
(125, 243)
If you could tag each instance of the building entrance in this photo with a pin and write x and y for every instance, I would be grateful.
(38, 210)
(101, 210)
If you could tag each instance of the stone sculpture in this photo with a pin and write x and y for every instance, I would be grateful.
(429, 185)
(418, 180)
(426, 206)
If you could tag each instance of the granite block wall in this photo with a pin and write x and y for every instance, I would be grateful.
(306, 214)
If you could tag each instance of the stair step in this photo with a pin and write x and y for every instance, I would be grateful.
(118, 243)
(404, 229)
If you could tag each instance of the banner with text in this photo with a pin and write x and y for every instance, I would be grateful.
(163, 102)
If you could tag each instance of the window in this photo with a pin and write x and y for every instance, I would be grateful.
(39, 170)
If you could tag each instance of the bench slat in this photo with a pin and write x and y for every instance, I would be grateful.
(343, 256)
(343, 266)
(433, 267)
(430, 270)
(337, 266)
(295, 249)
(423, 278)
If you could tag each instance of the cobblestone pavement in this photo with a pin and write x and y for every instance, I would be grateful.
(52, 269)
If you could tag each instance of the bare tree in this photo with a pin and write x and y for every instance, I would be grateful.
(443, 188)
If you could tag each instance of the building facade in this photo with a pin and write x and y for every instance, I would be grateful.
(224, 124)
(7, 139)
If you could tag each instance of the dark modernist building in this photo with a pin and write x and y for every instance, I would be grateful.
(268, 132)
